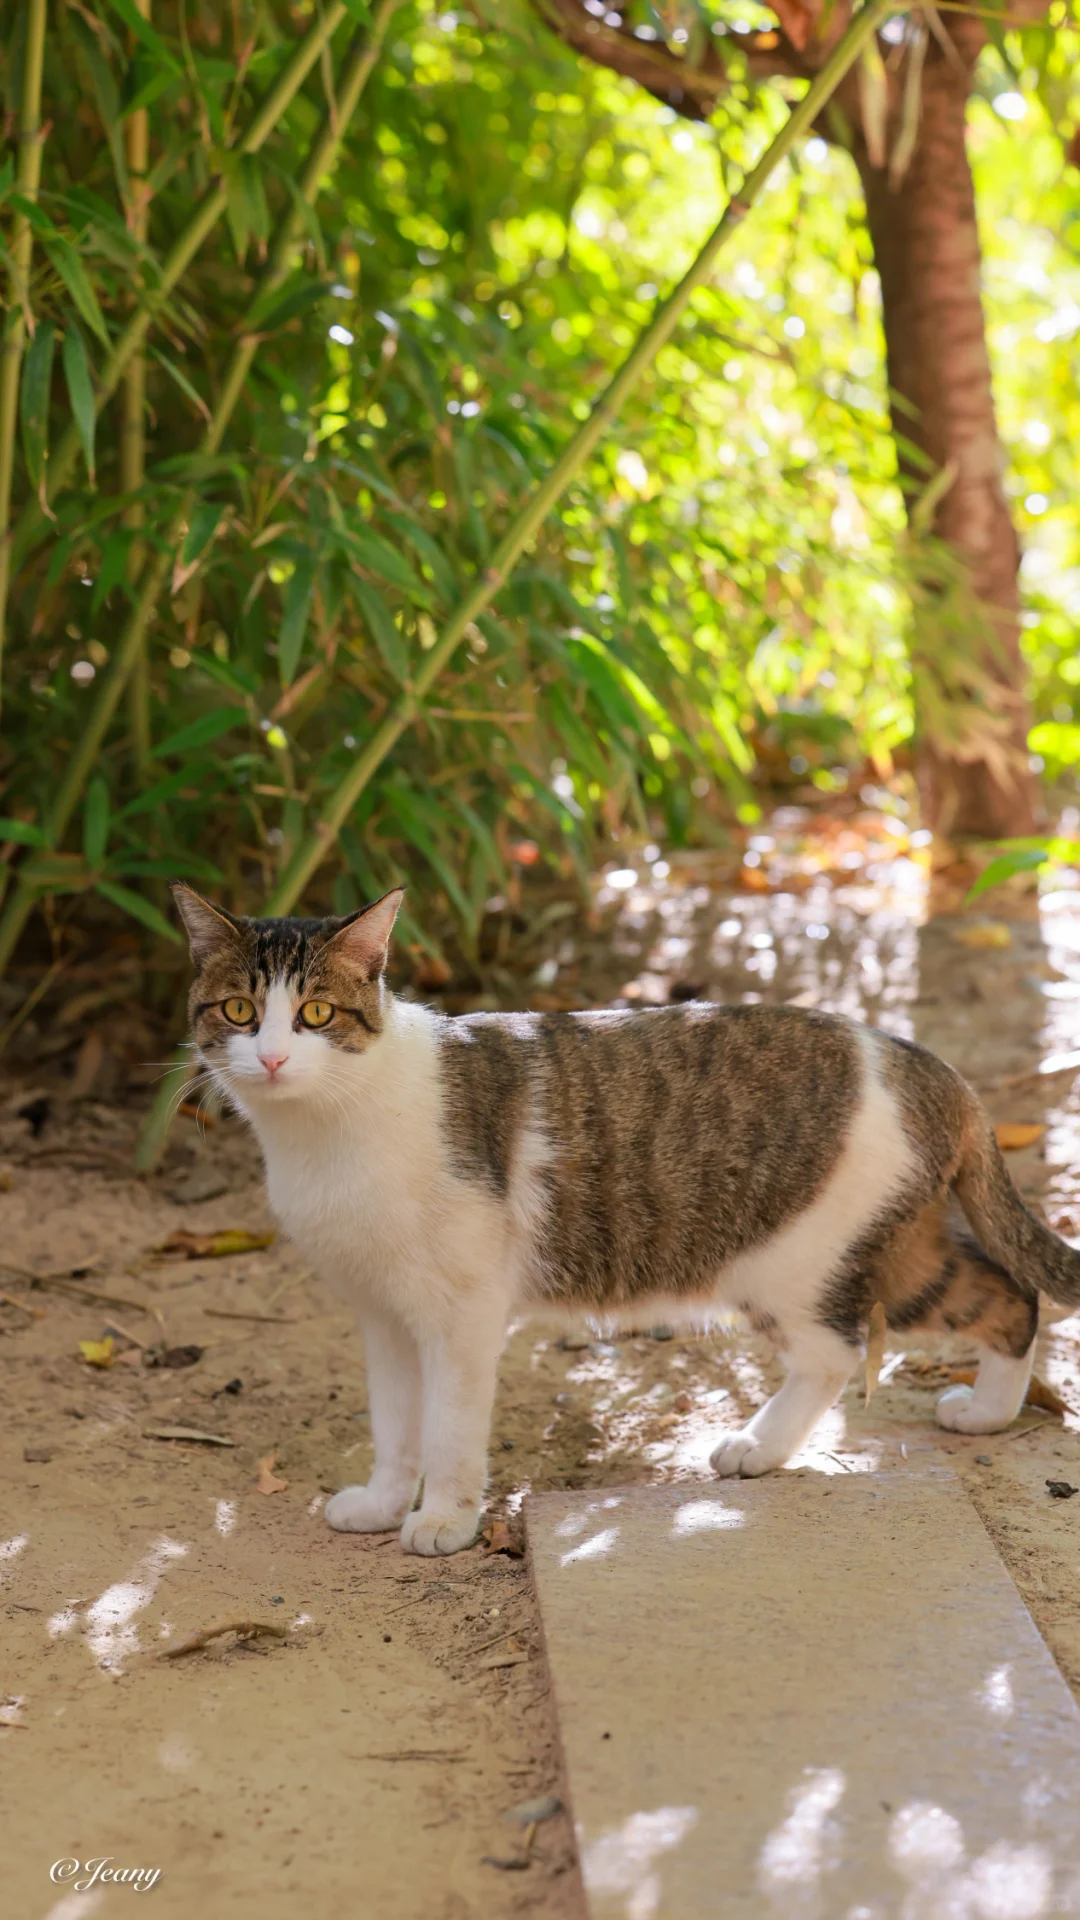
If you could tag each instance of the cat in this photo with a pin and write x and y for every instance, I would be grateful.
(445, 1173)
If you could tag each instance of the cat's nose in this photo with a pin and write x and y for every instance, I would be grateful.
(272, 1061)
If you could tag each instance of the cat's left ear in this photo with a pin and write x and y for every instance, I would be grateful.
(363, 939)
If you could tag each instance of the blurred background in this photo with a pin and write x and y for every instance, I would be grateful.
(303, 301)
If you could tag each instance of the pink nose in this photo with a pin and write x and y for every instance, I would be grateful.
(272, 1061)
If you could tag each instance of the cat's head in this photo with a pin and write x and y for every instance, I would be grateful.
(279, 1009)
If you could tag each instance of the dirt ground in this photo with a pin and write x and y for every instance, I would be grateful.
(369, 1756)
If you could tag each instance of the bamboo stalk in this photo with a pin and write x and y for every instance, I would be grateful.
(27, 179)
(312, 851)
(133, 426)
(318, 843)
(206, 216)
(82, 760)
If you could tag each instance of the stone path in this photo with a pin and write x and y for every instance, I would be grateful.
(812, 1697)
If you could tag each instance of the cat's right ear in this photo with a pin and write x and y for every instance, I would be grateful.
(209, 928)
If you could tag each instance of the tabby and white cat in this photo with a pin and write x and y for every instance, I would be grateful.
(445, 1173)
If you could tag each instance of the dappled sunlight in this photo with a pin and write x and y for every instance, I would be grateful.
(111, 1632)
(806, 1844)
(705, 1516)
(996, 1694)
(626, 1859)
(1007, 1882)
(828, 1450)
(76, 1906)
(225, 1516)
(10, 1549)
(593, 1548)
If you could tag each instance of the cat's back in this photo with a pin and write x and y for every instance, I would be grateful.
(617, 1090)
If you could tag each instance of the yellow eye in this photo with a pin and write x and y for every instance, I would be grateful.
(316, 1013)
(239, 1012)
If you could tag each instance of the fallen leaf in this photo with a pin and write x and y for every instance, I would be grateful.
(268, 1481)
(183, 1245)
(98, 1353)
(244, 1630)
(187, 1433)
(1014, 1134)
(88, 1064)
(875, 1347)
(498, 1660)
(984, 933)
(497, 1538)
(1039, 1394)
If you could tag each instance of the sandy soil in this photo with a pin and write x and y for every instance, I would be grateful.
(365, 1762)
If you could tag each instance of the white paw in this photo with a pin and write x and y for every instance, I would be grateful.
(360, 1510)
(430, 1532)
(957, 1411)
(740, 1453)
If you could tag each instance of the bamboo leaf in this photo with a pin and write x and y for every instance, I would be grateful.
(379, 557)
(177, 373)
(34, 401)
(199, 733)
(298, 591)
(202, 529)
(80, 388)
(151, 39)
(383, 629)
(1022, 860)
(96, 822)
(139, 909)
(23, 832)
(874, 101)
(69, 266)
(911, 104)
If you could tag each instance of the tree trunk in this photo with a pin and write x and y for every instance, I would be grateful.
(971, 709)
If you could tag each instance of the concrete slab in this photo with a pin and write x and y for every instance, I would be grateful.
(810, 1697)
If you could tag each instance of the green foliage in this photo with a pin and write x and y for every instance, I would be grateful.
(725, 582)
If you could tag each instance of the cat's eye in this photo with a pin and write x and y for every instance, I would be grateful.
(238, 1011)
(316, 1013)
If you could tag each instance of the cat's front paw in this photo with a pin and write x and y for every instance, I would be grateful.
(430, 1532)
(364, 1510)
(957, 1412)
(740, 1453)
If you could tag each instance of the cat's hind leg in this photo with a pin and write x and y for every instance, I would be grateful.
(985, 1302)
(969, 1294)
(819, 1363)
(995, 1399)
(393, 1373)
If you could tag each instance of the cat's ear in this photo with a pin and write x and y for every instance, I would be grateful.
(209, 928)
(364, 937)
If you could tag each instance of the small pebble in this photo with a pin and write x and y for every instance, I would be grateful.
(565, 1399)
(387, 1637)
(661, 1333)
(40, 1454)
(507, 1446)
(529, 1811)
(983, 1460)
(573, 1343)
(277, 1599)
(1060, 1490)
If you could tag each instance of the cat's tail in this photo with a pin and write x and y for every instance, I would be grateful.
(1032, 1253)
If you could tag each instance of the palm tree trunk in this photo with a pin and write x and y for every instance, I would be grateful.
(972, 714)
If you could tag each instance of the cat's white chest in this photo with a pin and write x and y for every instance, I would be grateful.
(349, 1201)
